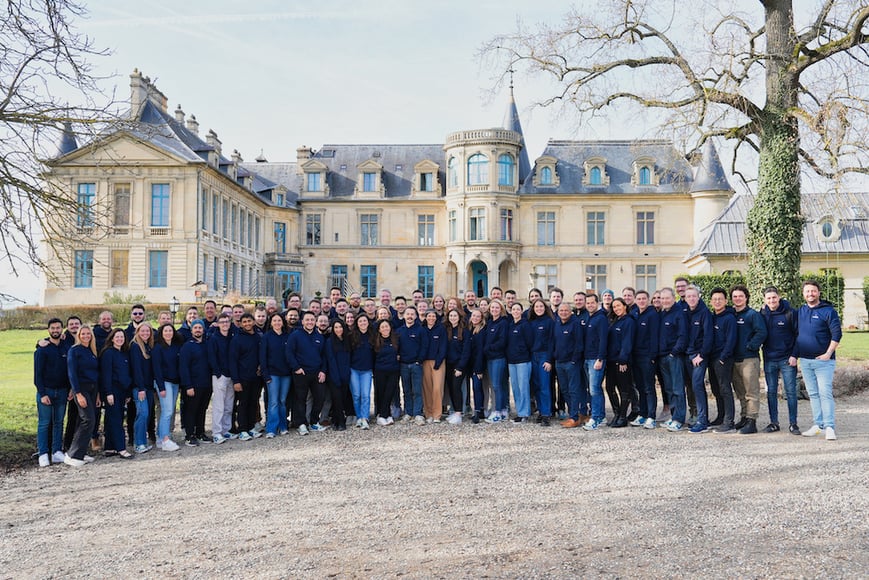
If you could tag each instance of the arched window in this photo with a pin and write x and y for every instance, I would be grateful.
(594, 176)
(546, 176)
(478, 169)
(452, 173)
(645, 176)
(505, 169)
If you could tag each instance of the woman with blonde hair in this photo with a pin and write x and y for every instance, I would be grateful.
(142, 373)
(84, 374)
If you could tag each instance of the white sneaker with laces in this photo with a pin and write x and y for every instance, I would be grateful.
(88, 459)
(365, 424)
(168, 445)
(303, 429)
(390, 420)
(812, 431)
(830, 434)
(454, 418)
(382, 422)
(44, 461)
(57, 457)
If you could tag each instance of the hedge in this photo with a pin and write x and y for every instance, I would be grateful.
(33, 317)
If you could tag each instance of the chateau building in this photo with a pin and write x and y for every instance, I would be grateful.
(162, 212)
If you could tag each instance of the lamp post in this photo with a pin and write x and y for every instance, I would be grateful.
(174, 306)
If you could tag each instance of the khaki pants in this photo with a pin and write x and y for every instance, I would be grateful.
(433, 388)
(746, 386)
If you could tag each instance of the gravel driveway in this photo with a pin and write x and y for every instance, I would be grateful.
(456, 501)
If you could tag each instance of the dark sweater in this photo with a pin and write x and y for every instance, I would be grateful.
(495, 345)
(83, 368)
(476, 357)
(386, 359)
(520, 339)
(166, 364)
(596, 336)
(674, 332)
(362, 355)
(141, 368)
(195, 371)
(781, 331)
(412, 344)
(305, 351)
(699, 331)
(50, 368)
(218, 354)
(244, 357)
(273, 355)
(115, 374)
(338, 361)
(723, 335)
(647, 333)
(541, 330)
(436, 344)
(750, 334)
(568, 340)
(620, 339)
(817, 326)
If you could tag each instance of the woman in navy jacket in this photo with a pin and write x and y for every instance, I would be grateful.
(84, 375)
(520, 339)
(433, 369)
(167, 373)
(143, 393)
(542, 357)
(362, 368)
(476, 361)
(115, 383)
(386, 372)
(495, 352)
(458, 356)
(338, 370)
(276, 373)
(620, 343)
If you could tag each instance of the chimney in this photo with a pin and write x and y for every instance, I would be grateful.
(193, 125)
(138, 93)
(236, 157)
(212, 140)
(179, 115)
(303, 153)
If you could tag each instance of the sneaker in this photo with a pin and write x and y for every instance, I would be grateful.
(649, 424)
(169, 445)
(303, 429)
(231, 435)
(284, 432)
(495, 417)
(142, 449)
(218, 439)
(699, 428)
(44, 461)
(270, 435)
(749, 428)
(57, 457)
(245, 436)
(389, 420)
(794, 429)
(430, 420)
(73, 462)
(382, 422)
(562, 415)
(545, 421)
(259, 428)
(256, 434)
(405, 418)
(520, 419)
(830, 434)
(772, 428)
(592, 425)
(454, 418)
(436, 420)
(674, 426)
(365, 424)
(192, 442)
(88, 459)
(419, 420)
(813, 431)
(475, 418)
(359, 422)
(159, 444)
(638, 422)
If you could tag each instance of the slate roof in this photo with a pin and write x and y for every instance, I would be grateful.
(67, 140)
(279, 173)
(511, 122)
(710, 174)
(676, 175)
(725, 236)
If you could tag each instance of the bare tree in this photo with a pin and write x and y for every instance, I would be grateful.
(44, 64)
(795, 98)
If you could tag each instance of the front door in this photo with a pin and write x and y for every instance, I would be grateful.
(480, 278)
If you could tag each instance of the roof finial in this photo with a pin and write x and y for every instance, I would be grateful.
(511, 71)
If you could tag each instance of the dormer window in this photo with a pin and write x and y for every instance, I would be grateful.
(545, 174)
(370, 177)
(595, 172)
(594, 176)
(369, 181)
(315, 176)
(314, 182)
(645, 176)
(426, 176)
(644, 172)
(828, 228)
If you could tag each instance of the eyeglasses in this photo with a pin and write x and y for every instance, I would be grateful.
(138, 314)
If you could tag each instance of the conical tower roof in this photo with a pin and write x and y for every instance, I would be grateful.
(710, 174)
(67, 142)
(511, 122)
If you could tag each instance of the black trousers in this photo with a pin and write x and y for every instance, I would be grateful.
(385, 388)
(454, 384)
(193, 417)
(302, 385)
(338, 412)
(619, 388)
(246, 401)
(86, 420)
(720, 376)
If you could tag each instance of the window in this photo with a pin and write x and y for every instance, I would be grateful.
(242, 219)
(226, 219)
(215, 213)
(546, 277)
(478, 169)
(279, 200)
(506, 225)
(256, 235)
(452, 172)
(645, 228)
(314, 182)
(84, 269)
(426, 229)
(204, 276)
(214, 273)
(158, 268)
(368, 280)
(453, 225)
(338, 277)
(280, 237)
(249, 230)
(242, 278)
(120, 267)
(233, 231)
(369, 181)
(203, 202)
(595, 224)
(368, 229)
(122, 205)
(595, 277)
(647, 277)
(505, 169)
(425, 280)
(234, 284)
(225, 276)
(546, 176)
(477, 224)
(159, 205)
(87, 197)
(645, 176)
(426, 182)
(545, 228)
(594, 177)
(827, 229)
(312, 229)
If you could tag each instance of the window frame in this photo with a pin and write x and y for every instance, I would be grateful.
(158, 268)
(161, 205)
(546, 221)
(83, 269)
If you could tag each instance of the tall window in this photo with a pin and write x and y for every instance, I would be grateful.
(595, 277)
(595, 222)
(453, 225)
(647, 277)
(478, 169)
(280, 237)
(84, 269)
(426, 182)
(338, 277)
(226, 219)
(368, 229)
(158, 268)
(594, 176)
(314, 182)
(203, 202)
(120, 267)
(368, 280)
(425, 280)
(645, 176)
(313, 222)
(87, 197)
(426, 229)
(452, 172)
(233, 230)
(645, 228)
(545, 228)
(234, 284)
(546, 176)
(505, 169)
(477, 229)
(506, 225)
(249, 230)
(256, 234)
(122, 204)
(159, 205)
(242, 223)
(547, 276)
(225, 275)
(214, 276)
(215, 213)
(369, 181)
(279, 200)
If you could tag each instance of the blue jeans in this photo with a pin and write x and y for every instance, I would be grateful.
(520, 379)
(568, 374)
(818, 375)
(644, 378)
(771, 370)
(540, 384)
(674, 384)
(167, 409)
(140, 425)
(360, 389)
(411, 385)
(50, 419)
(498, 375)
(698, 385)
(276, 414)
(595, 380)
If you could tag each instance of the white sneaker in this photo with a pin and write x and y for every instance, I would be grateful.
(270, 435)
(318, 427)
(436, 420)
(649, 423)
(419, 420)
(259, 428)
(454, 419)
(812, 431)
(218, 439)
(390, 420)
(406, 418)
(159, 444)
(638, 422)
(88, 459)
(57, 457)
(830, 434)
(359, 422)
(73, 462)
(44, 461)
(494, 417)
(303, 429)
(364, 424)
(169, 445)
(382, 422)
(430, 420)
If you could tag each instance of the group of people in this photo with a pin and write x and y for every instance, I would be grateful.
(312, 367)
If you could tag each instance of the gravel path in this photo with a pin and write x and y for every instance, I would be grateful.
(456, 501)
